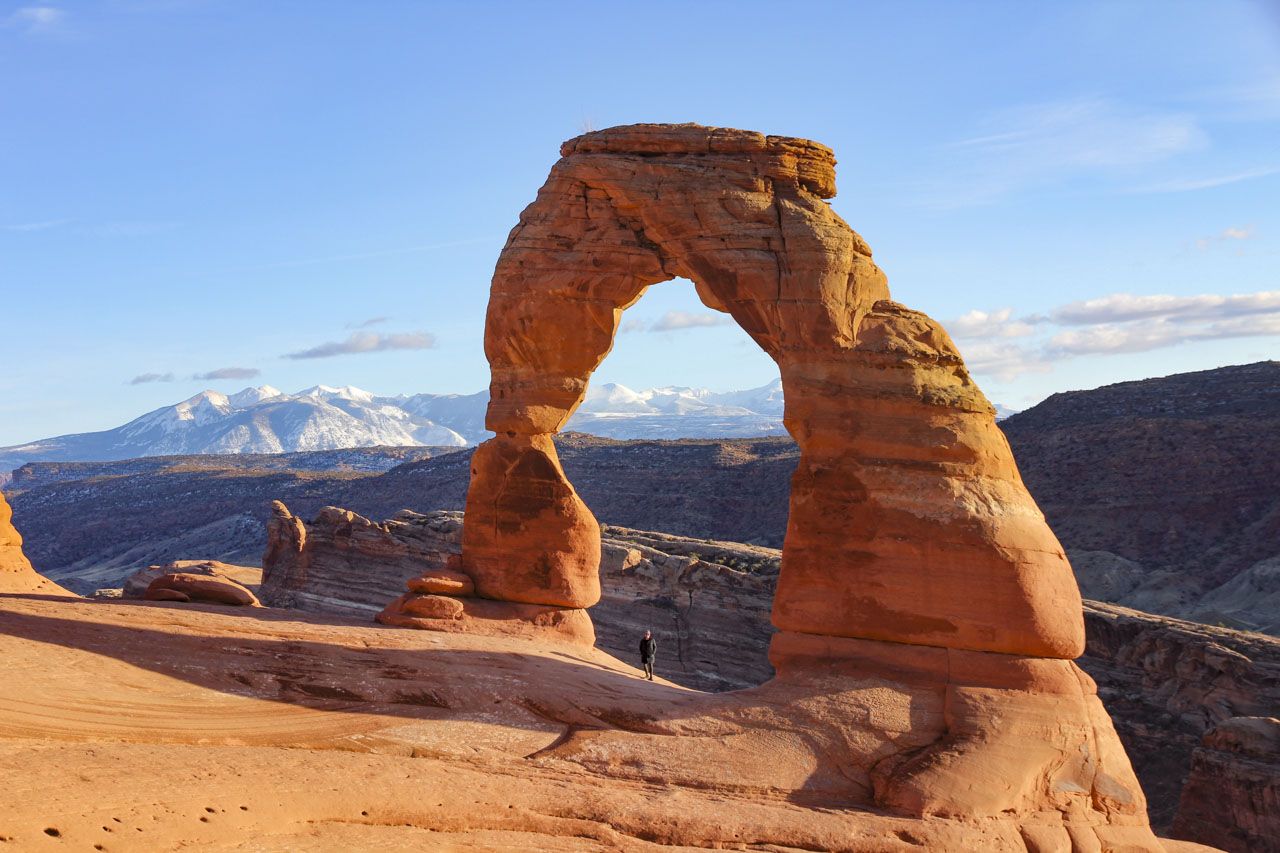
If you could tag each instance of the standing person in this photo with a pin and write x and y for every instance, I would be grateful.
(648, 651)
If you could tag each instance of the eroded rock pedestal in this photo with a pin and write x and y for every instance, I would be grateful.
(16, 574)
(912, 542)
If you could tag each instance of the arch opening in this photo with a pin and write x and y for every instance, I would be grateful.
(908, 522)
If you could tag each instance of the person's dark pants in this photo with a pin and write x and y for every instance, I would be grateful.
(648, 669)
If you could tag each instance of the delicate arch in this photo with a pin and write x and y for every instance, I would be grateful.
(909, 521)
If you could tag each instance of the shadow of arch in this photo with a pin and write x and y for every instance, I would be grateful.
(908, 519)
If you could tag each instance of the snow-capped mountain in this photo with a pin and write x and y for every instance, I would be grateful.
(255, 420)
(266, 420)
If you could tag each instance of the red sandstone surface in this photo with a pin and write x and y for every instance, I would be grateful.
(924, 696)
(143, 726)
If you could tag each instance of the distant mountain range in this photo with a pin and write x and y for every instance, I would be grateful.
(266, 420)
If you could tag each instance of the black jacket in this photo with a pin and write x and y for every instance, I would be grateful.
(648, 649)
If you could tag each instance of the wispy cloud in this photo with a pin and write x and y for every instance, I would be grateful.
(1243, 233)
(1123, 307)
(230, 373)
(144, 378)
(35, 226)
(1183, 185)
(374, 321)
(673, 320)
(132, 228)
(996, 324)
(1110, 325)
(359, 342)
(38, 20)
(1039, 145)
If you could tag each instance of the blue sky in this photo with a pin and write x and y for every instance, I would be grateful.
(193, 191)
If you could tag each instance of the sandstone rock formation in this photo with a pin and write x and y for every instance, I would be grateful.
(709, 601)
(135, 586)
(197, 587)
(1232, 798)
(914, 555)
(16, 574)
(286, 731)
(344, 563)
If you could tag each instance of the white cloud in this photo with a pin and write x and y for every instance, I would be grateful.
(144, 378)
(1109, 325)
(1244, 233)
(359, 342)
(1121, 307)
(230, 373)
(687, 320)
(38, 20)
(980, 324)
(1003, 360)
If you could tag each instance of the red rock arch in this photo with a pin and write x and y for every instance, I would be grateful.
(909, 521)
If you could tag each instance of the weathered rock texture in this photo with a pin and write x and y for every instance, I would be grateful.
(135, 586)
(908, 520)
(1166, 683)
(914, 555)
(199, 587)
(708, 602)
(1232, 798)
(16, 574)
(1164, 491)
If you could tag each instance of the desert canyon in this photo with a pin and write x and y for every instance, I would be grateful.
(923, 692)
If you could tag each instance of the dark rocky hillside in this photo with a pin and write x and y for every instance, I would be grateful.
(120, 516)
(1166, 492)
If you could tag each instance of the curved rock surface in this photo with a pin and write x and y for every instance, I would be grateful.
(280, 731)
(908, 523)
(199, 587)
(914, 554)
(16, 574)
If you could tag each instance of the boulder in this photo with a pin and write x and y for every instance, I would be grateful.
(135, 586)
(218, 590)
(161, 594)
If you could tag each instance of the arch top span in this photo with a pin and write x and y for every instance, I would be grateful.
(741, 214)
(908, 521)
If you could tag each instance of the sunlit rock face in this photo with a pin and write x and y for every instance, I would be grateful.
(16, 574)
(908, 523)
(914, 555)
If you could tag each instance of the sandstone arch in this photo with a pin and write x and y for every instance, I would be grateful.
(909, 522)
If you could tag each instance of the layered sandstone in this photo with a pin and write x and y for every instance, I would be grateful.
(1232, 798)
(902, 468)
(287, 731)
(16, 574)
(135, 586)
(914, 554)
(707, 601)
